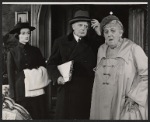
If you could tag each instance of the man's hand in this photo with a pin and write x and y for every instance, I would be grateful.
(61, 80)
(96, 26)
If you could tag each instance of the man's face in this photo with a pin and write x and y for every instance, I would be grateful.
(80, 28)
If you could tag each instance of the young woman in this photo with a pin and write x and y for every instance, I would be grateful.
(22, 57)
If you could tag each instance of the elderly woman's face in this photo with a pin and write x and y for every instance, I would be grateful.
(80, 28)
(24, 35)
(112, 34)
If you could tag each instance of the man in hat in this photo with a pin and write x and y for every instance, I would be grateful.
(74, 96)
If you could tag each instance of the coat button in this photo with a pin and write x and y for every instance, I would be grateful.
(107, 83)
(104, 83)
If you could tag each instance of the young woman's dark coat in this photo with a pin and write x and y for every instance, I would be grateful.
(19, 58)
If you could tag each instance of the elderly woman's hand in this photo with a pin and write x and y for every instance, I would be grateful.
(96, 26)
(130, 102)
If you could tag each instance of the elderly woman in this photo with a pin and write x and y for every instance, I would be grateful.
(121, 74)
(21, 58)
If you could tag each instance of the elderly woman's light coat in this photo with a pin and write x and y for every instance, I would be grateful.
(129, 78)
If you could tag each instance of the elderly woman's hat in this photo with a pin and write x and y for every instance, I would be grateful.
(80, 15)
(107, 20)
(19, 26)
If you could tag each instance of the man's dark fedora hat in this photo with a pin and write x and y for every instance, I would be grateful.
(80, 15)
(19, 26)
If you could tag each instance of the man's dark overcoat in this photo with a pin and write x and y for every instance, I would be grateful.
(73, 98)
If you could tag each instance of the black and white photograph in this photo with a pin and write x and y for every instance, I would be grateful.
(75, 61)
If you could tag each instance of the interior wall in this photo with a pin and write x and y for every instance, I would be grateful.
(8, 15)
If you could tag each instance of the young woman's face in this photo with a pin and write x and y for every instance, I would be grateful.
(112, 34)
(24, 35)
